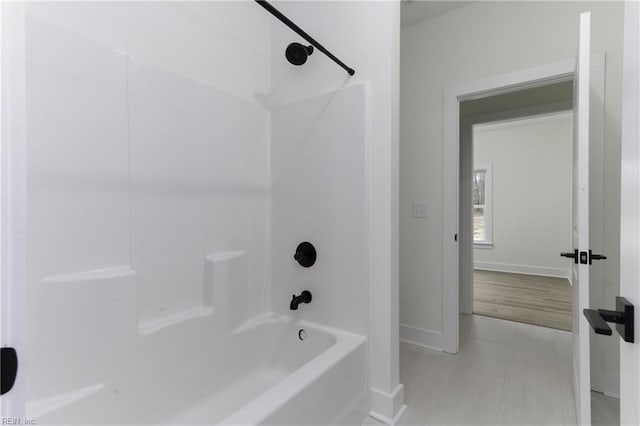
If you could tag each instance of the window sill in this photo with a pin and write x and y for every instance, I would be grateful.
(488, 245)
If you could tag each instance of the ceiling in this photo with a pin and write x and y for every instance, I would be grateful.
(414, 11)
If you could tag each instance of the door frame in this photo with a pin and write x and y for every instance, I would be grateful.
(13, 178)
(630, 210)
(470, 90)
(466, 245)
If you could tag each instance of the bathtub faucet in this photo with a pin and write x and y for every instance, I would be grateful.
(305, 297)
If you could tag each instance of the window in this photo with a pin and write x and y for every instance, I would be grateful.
(482, 229)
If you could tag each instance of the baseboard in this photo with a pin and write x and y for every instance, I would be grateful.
(421, 337)
(388, 408)
(522, 269)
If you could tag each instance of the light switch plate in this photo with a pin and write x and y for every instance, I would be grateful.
(419, 210)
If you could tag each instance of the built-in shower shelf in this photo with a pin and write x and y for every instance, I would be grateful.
(96, 274)
(156, 324)
(225, 255)
(225, 281)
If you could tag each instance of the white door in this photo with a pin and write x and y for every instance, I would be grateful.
(630, 213)
(580, 270)
(12, 200)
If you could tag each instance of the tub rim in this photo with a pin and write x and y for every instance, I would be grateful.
(268, 402)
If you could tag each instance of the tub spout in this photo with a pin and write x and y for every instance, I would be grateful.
(305, 297)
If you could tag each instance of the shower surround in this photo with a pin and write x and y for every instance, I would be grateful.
(164, 209)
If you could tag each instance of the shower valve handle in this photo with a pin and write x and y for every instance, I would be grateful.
(305, 254)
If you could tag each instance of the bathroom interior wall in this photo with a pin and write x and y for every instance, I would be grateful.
(148, 199)
(319, 195)
(531, 164)
(224, 44)
(365, 35)
(476, 33)
(150, 202)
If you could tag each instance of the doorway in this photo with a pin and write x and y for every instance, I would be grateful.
(520, 213)
(522, 116)
(467, 102)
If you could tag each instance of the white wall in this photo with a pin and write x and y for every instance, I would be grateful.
(531, 193)
(224, 44)
(174, 185)
(365, 35)
(470, 43)
(148, 201)
(319, 194)
(199, 163)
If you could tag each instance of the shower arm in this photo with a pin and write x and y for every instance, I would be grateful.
(275, 12)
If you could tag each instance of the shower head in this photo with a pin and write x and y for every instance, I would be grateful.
(297, 53)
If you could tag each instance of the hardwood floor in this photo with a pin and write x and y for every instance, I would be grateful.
(530, 299)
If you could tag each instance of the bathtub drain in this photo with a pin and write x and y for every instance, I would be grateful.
(302, 334)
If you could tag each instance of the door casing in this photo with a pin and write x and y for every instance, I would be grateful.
(13, 196)
(630, 211)
(505, 83)
(478, 89)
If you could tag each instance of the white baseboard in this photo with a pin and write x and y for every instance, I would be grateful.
(388, 408)
(421, 337)
(522, 269)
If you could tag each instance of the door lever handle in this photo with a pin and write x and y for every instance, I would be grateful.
(9, 362)
(596, 257)
(572, 255)
(622, 317)
(583, 257)
(596, 322)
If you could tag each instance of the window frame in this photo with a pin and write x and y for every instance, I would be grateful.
(487, 243)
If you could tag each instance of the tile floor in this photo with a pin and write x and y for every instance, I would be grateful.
(506, 373)
(605, 411)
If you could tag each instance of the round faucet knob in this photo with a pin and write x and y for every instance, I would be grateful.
(305, 254)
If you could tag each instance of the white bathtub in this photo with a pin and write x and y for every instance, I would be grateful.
(261, 373)
(278, 378)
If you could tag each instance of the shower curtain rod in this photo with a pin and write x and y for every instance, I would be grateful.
(275, 12)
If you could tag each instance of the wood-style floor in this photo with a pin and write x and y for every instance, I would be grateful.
(530, 299)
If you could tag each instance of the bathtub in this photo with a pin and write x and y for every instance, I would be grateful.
(287, 372)
(270, 370)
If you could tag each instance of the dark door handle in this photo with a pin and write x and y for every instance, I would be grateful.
(572, 255)
(9, 361)
(622, 317)
(583, 257)
(596, 322)
(596, 257)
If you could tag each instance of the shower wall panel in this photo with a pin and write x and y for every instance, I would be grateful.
(319, 185)
(148, 210)
(199, 163)
(224, 44)
(167, 190)
(77, 208)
